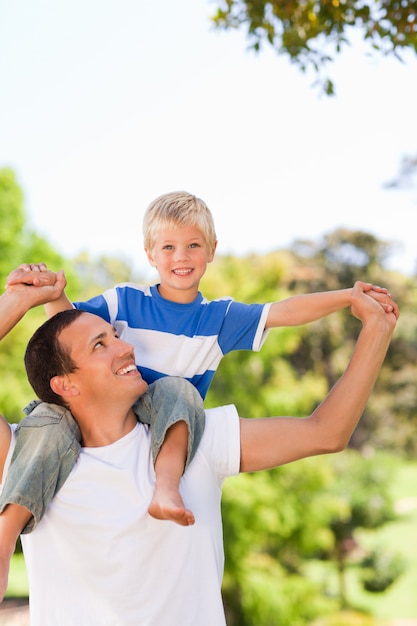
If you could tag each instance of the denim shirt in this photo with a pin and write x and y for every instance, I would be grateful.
(47, 446)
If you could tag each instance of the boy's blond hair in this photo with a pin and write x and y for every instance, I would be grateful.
(174, 210)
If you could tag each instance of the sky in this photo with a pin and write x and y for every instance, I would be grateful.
(105, 105)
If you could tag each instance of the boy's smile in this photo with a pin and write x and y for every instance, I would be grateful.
(181, 256)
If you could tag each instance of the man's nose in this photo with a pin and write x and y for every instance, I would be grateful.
(123, 347)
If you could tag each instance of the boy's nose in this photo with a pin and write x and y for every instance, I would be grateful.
(181, 254)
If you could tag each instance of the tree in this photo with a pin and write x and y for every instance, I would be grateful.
(305, 30)
(272, 522)
(276, 522)
(298, 365)
(98, 274)
(407, 174)
(281, 524)
(18, 244)
(12, 219)
(336, 261)
(360, 495)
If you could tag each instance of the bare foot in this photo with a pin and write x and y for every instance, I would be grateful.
(168, 505)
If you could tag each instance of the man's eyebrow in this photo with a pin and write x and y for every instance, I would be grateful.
(103, 334)
(98, 337)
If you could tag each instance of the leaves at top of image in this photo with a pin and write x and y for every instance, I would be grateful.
(312, 32)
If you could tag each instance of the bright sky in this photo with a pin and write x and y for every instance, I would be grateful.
(106, 104)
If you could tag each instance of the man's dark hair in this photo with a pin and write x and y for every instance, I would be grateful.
(45, 357)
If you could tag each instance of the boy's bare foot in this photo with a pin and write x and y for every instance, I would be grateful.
(168, 505)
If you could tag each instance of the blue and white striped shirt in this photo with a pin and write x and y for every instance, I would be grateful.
(173, 339)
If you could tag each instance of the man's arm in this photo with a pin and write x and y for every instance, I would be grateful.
(5, 437)
(38, 275)
(271, 442)
(21, 296)
(14, 303)
(303, 309)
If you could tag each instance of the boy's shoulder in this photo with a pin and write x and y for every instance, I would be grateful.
(126, 286)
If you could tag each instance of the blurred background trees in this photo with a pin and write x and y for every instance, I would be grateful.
(285, 529)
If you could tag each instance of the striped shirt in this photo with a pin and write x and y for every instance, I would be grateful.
(173, 339)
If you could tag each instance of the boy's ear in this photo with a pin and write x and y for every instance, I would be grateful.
(62, 386)
(212, 252)
(150, 257)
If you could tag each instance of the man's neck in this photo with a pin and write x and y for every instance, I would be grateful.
(104, 429)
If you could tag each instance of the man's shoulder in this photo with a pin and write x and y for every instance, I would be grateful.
(220, 444)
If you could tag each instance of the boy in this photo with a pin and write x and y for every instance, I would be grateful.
(173, 329)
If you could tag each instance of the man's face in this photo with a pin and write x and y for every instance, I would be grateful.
(106, 368)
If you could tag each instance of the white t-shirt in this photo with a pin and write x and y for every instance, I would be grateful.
(98, 559)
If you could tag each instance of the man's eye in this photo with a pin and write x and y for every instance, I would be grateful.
(98, 344)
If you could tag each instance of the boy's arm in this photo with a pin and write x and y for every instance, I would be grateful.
(271, 442)
(38, 275)
(303, 309)
(61, 304)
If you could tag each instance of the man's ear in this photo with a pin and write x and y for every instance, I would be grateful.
(62, 386)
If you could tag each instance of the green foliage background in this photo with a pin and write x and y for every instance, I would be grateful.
(277, 523)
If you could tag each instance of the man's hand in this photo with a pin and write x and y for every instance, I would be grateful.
(381, 295)
(26, 289)
(36, 283)
(36, 274)
(371, 308)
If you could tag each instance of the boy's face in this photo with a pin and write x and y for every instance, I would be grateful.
(106, 369)
(180, 256)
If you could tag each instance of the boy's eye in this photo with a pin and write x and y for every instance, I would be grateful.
(194, 245)
(98, 344)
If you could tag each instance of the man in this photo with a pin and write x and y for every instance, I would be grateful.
(97, 557)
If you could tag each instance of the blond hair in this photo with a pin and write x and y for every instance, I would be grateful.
(175, 210)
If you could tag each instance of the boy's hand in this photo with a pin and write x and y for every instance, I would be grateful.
(35, 274)
(381, 295)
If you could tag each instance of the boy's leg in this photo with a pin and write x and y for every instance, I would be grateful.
(47, 446)
(13, 519)
(174, 410)
(167, 503)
